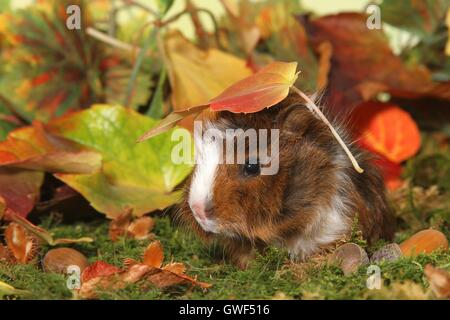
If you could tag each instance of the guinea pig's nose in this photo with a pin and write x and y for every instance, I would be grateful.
(201, 210)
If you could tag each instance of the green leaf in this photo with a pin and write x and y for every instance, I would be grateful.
(164, 6)
(140, 177)
(418, 17)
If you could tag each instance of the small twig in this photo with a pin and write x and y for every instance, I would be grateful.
(199, 30)
(112, 41)
(314, 109)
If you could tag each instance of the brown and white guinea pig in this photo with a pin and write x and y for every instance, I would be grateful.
(308, 204)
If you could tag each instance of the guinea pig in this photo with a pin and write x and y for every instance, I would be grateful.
(309, 203)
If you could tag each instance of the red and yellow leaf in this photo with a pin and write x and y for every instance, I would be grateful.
(387, 130)
(19, 189)
(263, 89)
(34, 148)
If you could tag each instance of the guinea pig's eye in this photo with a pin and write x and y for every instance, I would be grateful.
(252, 169)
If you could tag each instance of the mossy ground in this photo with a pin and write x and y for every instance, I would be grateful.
(271, 275)
(422, 203)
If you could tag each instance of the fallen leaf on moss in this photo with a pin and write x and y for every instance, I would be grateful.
(125, 226)
(439, 281)
(21, 245)
(7, 290)
(154, 255)
(104, 277)
(44, 234)
(98, 269)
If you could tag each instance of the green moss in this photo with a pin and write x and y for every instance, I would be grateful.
(270, 275)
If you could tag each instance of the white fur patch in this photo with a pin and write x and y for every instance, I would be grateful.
(208, 153)
(331, 224)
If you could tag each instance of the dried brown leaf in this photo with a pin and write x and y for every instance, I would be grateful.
(154, 255)
(175, 267)
(141, 227)
(20, 243)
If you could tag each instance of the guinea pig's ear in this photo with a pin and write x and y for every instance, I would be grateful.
(293, 120)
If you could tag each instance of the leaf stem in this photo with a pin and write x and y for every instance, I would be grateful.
(315, 110)
(111, 41)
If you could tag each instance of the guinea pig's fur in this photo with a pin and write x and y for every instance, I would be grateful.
(310, 203)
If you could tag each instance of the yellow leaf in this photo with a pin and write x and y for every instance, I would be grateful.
(6, 289)
(196, 76)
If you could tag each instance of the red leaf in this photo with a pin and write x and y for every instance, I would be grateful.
(387, 130)
(98, 269)
(363, 63)
(263, 89)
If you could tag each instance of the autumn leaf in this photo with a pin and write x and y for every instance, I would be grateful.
(125, 226)
(137, 177)
(171, 121)
(44, 234)
(104, 277)
(19, 189)
(154, 255)
(98, 269)
(240, 24)
(34, 148)
(22, 246)
(261, 90)
(196, 76)
(286, 40)
(363, 63)
(386, 129)
(264, 89)
(87, 72)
